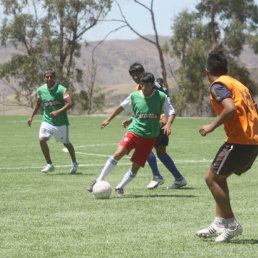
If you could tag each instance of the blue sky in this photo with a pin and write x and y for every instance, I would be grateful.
(138, 17)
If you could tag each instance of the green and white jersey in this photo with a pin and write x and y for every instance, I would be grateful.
(146, 112)
(53, 99)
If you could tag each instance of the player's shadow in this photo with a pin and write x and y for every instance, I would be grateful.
(238, 241)
(244, 241)
(158, 196)
(68, 174)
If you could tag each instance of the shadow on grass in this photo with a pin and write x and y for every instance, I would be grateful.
(68, 174)
(244, 241)
(237, 241)
(155, 196)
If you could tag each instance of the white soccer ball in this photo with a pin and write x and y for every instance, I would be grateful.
(102, 190)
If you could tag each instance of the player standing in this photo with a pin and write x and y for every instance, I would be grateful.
(56, 102)
(236, 110)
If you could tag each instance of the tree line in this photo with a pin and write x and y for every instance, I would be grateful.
(48, 34)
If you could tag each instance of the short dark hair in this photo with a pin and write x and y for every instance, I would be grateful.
(135, 67)
(160, 80)
(217, 63)
(50, 71)
(147, 77)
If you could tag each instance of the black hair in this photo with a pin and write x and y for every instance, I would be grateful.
(50, 71)
(160, 80)
(217, 63)
(136, 67)
(147, 77)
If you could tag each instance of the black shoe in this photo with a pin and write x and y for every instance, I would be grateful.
(90, 187)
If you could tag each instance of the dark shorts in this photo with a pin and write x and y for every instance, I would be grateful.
(162, 139)
(234, 158)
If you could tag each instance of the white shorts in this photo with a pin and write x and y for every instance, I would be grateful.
(61, 133)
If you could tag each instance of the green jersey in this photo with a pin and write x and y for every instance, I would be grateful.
(146, 113)
(53, 99)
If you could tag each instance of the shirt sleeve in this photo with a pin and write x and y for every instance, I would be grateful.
(168, 108)
(220, 92)
(127, 104)
(66, 95)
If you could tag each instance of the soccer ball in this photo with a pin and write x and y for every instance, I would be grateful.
(102, 190)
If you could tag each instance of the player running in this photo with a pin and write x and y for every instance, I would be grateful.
(236, 110)
(147, 106)
(136, 70)
(56, 101)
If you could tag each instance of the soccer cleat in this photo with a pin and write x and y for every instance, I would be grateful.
(229, 233)
(74, 167)
(48, 168)
(177, 184)
(90, 187)
(119, 192)
(211, 231)
(156, 181)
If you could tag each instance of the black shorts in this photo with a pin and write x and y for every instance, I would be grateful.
(162, 139)
(234, 158)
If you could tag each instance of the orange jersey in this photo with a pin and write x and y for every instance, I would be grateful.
(242, 127)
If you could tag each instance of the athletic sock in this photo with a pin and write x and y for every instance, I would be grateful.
(220, 221)
(170, 165)
(109, 166)
(153, 165)
(129, 176)
(49, 162)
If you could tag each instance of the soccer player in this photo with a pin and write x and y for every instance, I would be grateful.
(147, 106)
(56, 101)
(136, 70)
(236, 110)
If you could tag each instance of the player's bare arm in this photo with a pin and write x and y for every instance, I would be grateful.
(229, 109)
(34, 111)
(167, 126)
(116, 112)
(127, 122)
(68, 104)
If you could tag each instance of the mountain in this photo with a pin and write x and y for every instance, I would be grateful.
(113, 59)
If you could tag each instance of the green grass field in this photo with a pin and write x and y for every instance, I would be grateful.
(52, 215)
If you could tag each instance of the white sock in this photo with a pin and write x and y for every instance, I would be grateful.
(109, 166)
(220, 221)
(126, 179)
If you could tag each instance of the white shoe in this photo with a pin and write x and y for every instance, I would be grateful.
(48, 168)
(229, 233)
(213, 230)
(177, 184)
(74, 167)
(155, 182)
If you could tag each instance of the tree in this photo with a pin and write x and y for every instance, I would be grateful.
(52, 40)
(156, 35)
(217, 24)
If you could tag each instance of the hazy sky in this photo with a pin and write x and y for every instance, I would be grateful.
(138, 17)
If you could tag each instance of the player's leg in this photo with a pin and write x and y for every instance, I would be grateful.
(169, 164)
(225, 163)
(110, 165)
(157, 179)
(61, 134)
(128, 177)
(142, 151)
(45, 133)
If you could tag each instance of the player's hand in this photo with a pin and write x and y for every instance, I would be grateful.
(104, 124)
(127, 122)
(29, 122)
(54, 113)
(166, 130)
(205, 129)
